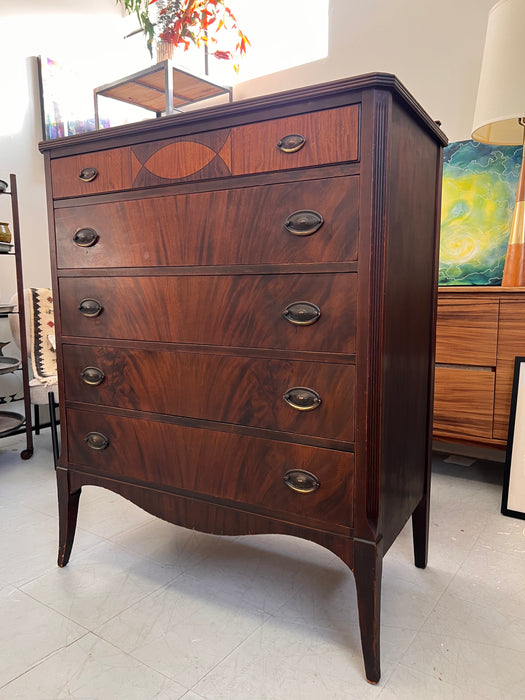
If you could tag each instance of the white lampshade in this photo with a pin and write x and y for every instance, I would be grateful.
(501, 93)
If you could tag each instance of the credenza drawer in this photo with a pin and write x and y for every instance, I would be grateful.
(466, 333)
(244, 470)
(292, 396)
(304, 222)
(304, 140)
(237, 310)
(464, 401)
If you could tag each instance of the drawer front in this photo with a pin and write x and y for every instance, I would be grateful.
(330, 136)
(240, 226)
(463, 402)
(187, 158)
(241, 390)
(238, 310)
(240, 469)
(467, 333)
(105, 171)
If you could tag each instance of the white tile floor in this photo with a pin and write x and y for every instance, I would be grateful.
(148, 610)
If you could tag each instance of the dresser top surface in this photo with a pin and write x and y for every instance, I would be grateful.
(472, 289)
(281, 104)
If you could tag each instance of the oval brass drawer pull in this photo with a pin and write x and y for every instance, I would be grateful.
(97, 441)
(291, 143)
(304, 222)
(88, 174)
(302, 399)
(92, 376)
(85, 237)
(302, 313)
(301, 481)
(90, 308)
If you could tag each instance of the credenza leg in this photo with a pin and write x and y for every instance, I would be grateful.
(420, 531)
(67, 516)
(368, 559)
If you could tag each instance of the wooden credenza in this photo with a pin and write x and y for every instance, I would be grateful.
(480, 330)
(246, 316)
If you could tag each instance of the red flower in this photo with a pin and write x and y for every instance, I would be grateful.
(223, 55)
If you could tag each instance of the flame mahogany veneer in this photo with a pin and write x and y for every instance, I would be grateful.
(245, 311)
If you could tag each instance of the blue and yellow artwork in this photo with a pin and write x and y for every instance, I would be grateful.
(479, 192)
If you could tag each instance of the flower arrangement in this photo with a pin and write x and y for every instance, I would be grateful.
(186, 22)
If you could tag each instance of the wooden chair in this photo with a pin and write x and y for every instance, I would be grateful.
(43, 386)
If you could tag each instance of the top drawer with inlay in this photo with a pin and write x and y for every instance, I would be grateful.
(193, 157)
(304, 140)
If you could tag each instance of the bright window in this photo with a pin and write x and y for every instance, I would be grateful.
(282, 33)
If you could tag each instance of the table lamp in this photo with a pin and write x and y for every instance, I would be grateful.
(499, 117)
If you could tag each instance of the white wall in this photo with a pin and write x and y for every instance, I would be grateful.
(434, 48)
(75, 33)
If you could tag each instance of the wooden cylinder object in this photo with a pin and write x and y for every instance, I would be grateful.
(514, 270)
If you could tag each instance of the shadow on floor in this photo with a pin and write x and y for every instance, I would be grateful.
(480, 470)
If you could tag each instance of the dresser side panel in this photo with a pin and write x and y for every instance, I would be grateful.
(62, 459)
(414, 172)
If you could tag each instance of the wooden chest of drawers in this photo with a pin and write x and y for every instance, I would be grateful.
(246, 308)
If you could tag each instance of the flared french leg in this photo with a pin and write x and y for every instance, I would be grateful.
(368, 559)
(67, 516)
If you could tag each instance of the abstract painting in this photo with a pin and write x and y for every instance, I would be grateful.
(66, 104)
(479, 191)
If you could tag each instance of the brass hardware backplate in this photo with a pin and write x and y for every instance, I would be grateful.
(93, 376)
(291, 143)
(88, 174)
(302, 313)
(304, 222)
(85, 237)
(90, 308)
(302, 398)
(301, 481)
(97, 441)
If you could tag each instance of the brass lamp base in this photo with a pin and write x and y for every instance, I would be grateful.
(514, 270)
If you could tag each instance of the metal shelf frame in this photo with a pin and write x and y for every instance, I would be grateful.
(161, 88)
(13, 193)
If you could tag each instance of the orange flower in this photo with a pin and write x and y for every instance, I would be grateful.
(182, 22)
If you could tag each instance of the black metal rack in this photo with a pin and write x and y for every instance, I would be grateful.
(10, 421)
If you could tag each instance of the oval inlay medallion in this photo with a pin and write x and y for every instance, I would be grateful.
(179, 159)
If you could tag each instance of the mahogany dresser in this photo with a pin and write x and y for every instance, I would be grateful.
(246, 312)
